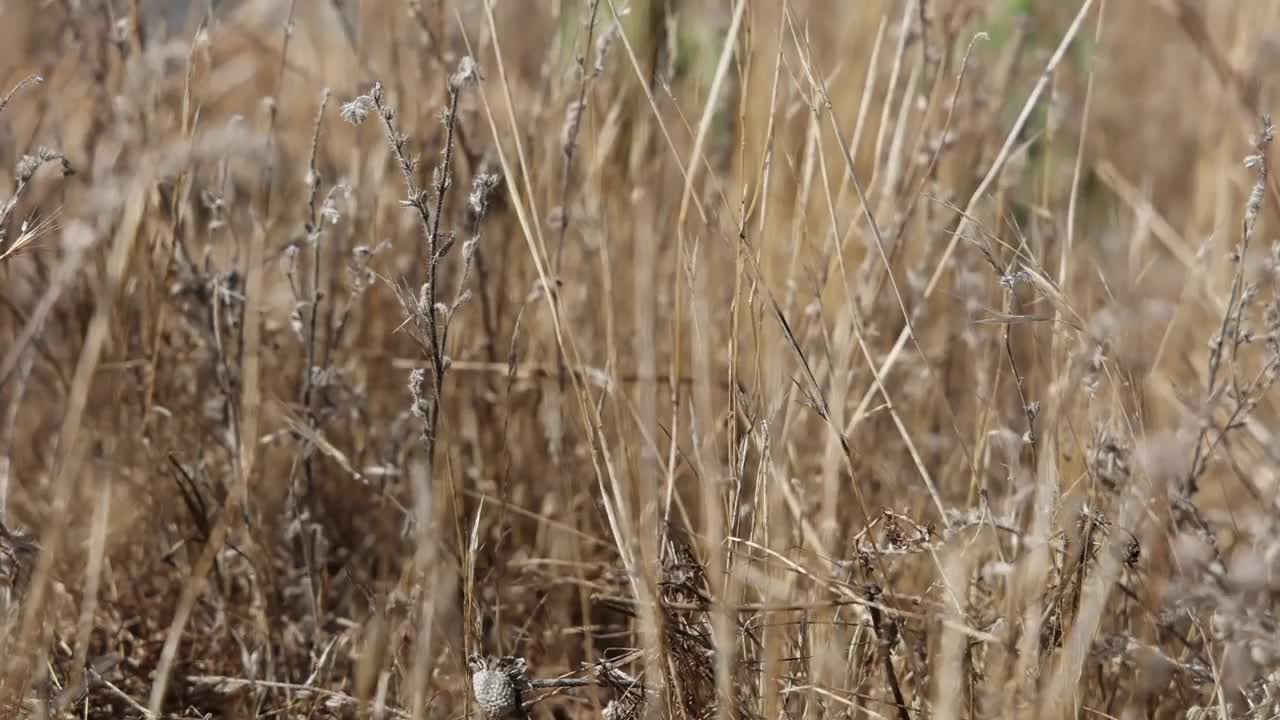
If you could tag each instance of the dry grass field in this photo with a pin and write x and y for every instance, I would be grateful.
(639, 359)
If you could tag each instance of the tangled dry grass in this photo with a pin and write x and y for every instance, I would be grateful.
(639, 359)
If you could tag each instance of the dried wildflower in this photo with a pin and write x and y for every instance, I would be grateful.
(358, 269)
(1254, 205)
(291, 258)
(295, 321)
(497, 683)
(1012, 280)
(467, 75)
(417, 393)
(481, 187)
(329, 210)
(469, 249)
(1032, 410)
(1258, 161)
(441, 179)
(1267, 134)
(29, 164)
(27, 167)
(357, 111)
(606, 40)
(572, 120)
(330, 213)
(464, 297)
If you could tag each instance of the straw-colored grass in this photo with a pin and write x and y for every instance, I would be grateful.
(639, 359)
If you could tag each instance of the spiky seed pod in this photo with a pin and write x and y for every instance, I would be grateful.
(494, 691)
(498, 685)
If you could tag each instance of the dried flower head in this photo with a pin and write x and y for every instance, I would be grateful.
(418, 393)
(1266, 135)
(481, 187)
(606, 40)
(357, 111)
(330, 210)
(498, 685)
(29, 164)
(572, 121)
(467, 74)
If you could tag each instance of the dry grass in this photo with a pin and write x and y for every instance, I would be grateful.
(648, 359)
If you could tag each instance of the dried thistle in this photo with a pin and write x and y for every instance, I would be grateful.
(357, 111)
(498, 685)
(467, 75)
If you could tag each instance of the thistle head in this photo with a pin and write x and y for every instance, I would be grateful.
(497, 684)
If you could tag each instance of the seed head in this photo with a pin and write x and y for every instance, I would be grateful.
(357, 111)
(497, 684)
(467, 75)
(419, 404)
